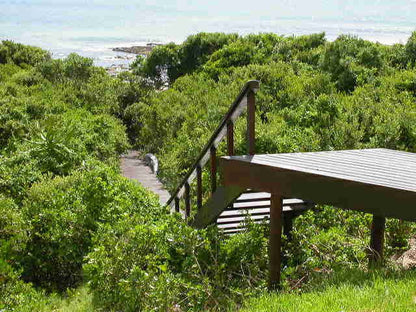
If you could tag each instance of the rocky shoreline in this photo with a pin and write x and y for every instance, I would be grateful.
(142, 50)
(115, 69)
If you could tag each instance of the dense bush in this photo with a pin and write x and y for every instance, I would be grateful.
(351, 60)
(324, 238)
(411, 49)
(161, 265)
(19, 54)
(58, 126)
(16, 295)
(13, 231)
(168, 62)
(62, 214)
(57, 146)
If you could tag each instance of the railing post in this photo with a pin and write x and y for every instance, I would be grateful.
(251, 121)
(246, 96)
(199, 186)
(177, 204)
(230, 138)
(213, 152)
(187, 200)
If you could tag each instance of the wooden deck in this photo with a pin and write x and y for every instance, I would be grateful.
(377, 181)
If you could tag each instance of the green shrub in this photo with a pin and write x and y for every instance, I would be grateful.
(73, 68)
(17, 174)
(351, 61)
(13, 231)
(410, 49)
(19, 54)
(64, 142)
(7, 70)
(167, 63)
(68, 139)
(62, 215)
(162, 265)
(236, 54)
(16, 295)
(326, 238)
(196, 49)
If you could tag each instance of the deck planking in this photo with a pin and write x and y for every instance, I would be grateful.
(380, 167)
(377, 181)
(134, 168)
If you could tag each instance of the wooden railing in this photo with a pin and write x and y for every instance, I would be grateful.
(246, 98)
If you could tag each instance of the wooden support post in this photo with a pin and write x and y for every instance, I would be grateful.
(213, 152)
(230, 138)
(275, 242)
(199, 187)
(377, 240)
(177, 204)
(187, 200)
(251, 121)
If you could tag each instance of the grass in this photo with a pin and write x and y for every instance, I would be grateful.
(77, 300)
(341, 291)
(347, 291)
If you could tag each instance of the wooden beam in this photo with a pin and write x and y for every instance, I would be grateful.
(199, 187)
(221, 199)
(377, 241)
(275, 242)
(251, 122)
(213, 153)
(230, 138)
(187, 200)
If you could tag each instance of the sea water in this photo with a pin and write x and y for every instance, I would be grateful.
(93, 27)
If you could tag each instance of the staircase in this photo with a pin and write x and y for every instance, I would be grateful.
(256, 205)
(228, 207)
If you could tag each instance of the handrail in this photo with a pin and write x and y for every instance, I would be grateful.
(245, 98)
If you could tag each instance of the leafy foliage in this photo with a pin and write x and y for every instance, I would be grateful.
(350, 60)
(163, 264)
(63, 204)
(411, 49)
(62, 215)
(168, 62)
(21, 55)
(14, 293)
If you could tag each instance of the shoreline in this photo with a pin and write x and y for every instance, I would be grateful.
(143, 50)
(138, 49)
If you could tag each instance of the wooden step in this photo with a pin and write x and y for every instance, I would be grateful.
(255, 205)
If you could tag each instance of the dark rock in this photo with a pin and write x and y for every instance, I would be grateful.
(142, 50)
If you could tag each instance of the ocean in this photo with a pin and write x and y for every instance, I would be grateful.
(92, 28)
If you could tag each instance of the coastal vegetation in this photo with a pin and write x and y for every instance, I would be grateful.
(76, 235)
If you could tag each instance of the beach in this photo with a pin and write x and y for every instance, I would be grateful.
(96, 29)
